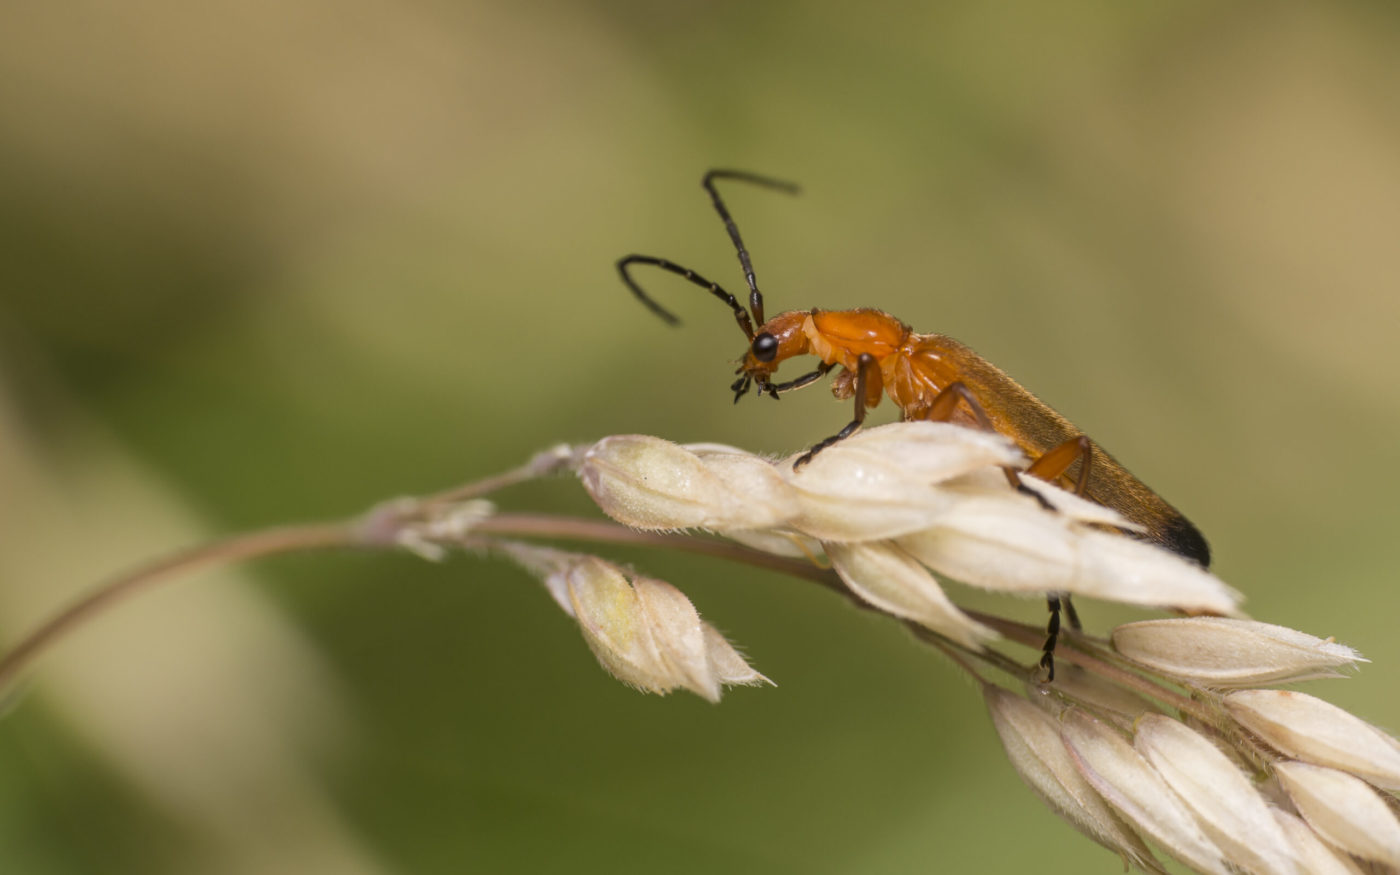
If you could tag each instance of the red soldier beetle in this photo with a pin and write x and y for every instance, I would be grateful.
(929, 377)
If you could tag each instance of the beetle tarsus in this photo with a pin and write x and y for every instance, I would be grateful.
(1026, 490)
(1052, 637)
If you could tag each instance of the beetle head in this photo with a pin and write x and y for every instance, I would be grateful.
(777, 339)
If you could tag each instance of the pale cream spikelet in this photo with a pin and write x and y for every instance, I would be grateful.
(888, 481)
(886, 577)
(765, 497)
(1222, 652)
(1136, 572)
(926, 451)
(771, 501)
(643, 631)
(727, 663)
(999, 541)
(1307, 728)
(1227, 806)
(1316, 856)
(649, 483)
(938, 491)
(648, 634)
(1344, 810)
(1033, 744)
(1136, 791)
(1006, 542)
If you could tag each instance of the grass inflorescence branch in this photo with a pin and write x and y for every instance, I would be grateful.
(1168, 732)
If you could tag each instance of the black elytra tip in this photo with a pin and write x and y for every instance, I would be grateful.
(1184, 539)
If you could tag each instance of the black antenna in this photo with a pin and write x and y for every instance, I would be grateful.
(714, 288)
(755, 297)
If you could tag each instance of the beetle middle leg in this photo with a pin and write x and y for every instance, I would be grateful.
(1049, 467)
(863, 367)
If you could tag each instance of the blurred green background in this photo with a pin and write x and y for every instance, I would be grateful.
(267, 262)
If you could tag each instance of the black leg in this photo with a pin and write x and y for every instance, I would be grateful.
(863, 366)
(1071, 614)
(1050, 467)
(741, 386)
(1047, 658)
(804, 380)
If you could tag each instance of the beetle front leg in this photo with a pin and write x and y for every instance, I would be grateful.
(863, 366)
(804, 380)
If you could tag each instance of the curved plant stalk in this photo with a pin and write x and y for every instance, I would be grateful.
(1138, 736)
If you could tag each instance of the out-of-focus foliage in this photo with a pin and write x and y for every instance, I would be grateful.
(274, 261)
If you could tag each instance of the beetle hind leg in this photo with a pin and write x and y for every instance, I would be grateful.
(1053, 464)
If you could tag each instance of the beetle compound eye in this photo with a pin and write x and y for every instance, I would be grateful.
(765, 347)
